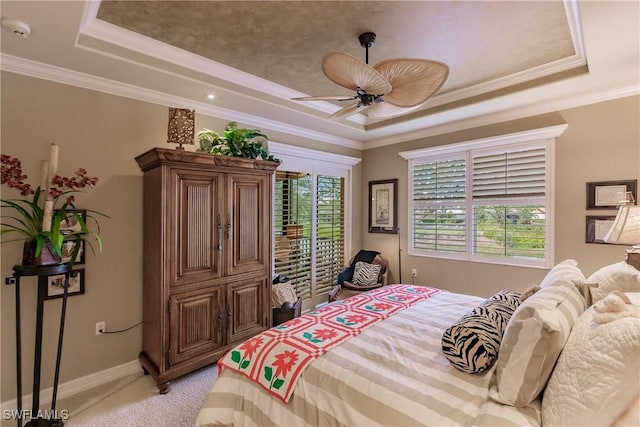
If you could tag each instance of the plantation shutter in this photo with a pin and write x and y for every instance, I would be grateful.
(438, 198)
(329, 232)
(509, 198)
(292, 225)
(510, 174)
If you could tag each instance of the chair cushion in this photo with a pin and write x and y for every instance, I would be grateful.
(366, 274)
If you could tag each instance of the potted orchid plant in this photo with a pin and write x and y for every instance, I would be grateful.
(37, 218)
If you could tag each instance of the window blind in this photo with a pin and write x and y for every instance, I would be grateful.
(511, 174)
(330, 231)
(439, 214)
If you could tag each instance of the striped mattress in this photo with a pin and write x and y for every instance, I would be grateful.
(392, 374)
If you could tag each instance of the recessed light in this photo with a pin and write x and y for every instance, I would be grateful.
(211, 96)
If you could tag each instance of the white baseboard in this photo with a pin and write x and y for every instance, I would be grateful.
(78, 385)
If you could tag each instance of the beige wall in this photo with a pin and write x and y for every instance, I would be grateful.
(601, 143)
(103, 134)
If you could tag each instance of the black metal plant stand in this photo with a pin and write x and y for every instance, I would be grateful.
(42, 272)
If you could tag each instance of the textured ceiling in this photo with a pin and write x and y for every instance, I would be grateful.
(507, 59)
(285, 41)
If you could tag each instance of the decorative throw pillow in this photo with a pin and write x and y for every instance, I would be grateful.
(597, 377)
(471, 344)
(366, 274)
(281, 293)
(566, 270)
(532, 342)
(619, 276)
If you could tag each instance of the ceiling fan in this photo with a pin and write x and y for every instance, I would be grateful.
(391, 87)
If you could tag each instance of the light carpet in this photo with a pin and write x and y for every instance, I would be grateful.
(138, 403)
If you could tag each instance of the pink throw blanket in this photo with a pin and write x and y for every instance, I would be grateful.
(276, 358)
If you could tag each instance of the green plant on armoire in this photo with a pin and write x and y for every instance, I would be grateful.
(236, 142)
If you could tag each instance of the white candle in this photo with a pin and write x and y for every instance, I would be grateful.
(48, 204)
(44, 175)
(53, 162)
(46, 218)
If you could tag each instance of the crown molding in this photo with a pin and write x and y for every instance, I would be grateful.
(56, 74)
(508, 113)
(307, 153)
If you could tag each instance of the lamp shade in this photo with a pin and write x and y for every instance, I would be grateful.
(626, 226)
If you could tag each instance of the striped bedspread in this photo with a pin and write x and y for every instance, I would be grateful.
(392, 374)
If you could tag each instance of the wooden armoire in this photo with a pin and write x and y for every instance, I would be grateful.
(207, 257)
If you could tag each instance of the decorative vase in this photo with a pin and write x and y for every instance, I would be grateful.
(46, 256)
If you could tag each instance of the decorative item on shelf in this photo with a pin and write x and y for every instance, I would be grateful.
(40, 220)
(626, 229)
(236, 142)
(181, 127)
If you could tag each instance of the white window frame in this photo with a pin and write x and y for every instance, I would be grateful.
(543, 136)
(316, 163)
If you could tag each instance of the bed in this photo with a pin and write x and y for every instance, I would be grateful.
(393, 372)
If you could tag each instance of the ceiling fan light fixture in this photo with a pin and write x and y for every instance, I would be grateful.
(391, 88)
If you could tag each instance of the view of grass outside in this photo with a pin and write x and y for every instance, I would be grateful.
(511, 231)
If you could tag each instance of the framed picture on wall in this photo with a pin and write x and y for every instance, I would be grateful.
(383, 206)
(55, 284)
(598, 227)
(70, 222)
(68, 246)
(609, 194)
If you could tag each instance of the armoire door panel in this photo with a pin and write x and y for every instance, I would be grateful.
(197, 223)
(198, 326)
(250, 218)
(247, 309)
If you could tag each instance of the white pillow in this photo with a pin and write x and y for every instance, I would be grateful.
(597, 375)
(619, 276)
(532, 342)
(634, 297)
(566, 270)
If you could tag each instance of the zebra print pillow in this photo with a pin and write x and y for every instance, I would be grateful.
(365, 274)
(471, 344)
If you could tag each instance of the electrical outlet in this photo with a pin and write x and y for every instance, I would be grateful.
(100, 327)
(414, 272)
(10, 281)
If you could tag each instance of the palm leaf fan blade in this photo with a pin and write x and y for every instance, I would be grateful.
(350, 72)
(348, 111)
(413, 80)
(382, 110)
(325, 98)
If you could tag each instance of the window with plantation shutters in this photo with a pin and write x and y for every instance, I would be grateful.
(292, 225)
(438, 215)
(487, 200)
(509, 202)
(312, 219)
(309, 231)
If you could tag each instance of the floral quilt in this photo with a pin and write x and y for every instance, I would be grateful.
(276, 358)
